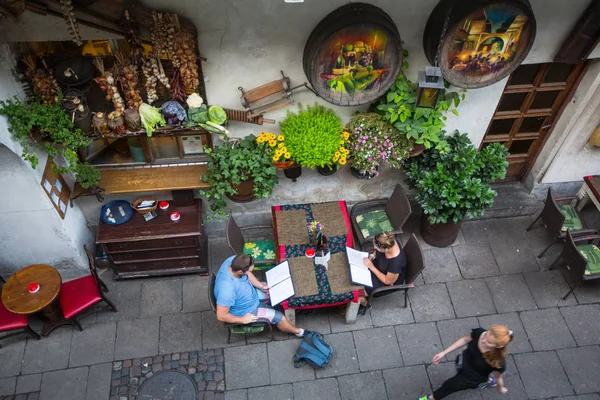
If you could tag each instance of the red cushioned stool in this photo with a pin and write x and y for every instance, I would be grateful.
(9, 321)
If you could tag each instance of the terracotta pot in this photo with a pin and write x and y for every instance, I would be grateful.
(293, 173)
(327, 170)
(417, 150)
(283, 164)
(439, 235)
(245, 192)
(358, 175)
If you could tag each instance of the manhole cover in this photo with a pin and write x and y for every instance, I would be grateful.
(168, 385)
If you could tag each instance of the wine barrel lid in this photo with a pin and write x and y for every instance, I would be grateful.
(485, 40)
(354, 55)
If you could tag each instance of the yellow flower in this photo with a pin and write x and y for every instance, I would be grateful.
(342, 142)
(287, 155)
(272, 136)
(272, 143)
(259, 139)
(284, 149)
(280, 145)
(337, 154)
(281, 138)
(346, 135)
(343, 161)
(335, 159)
(275, 157)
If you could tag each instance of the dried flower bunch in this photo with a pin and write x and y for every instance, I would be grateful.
(108, 84)
(67, 9)
(43, 82)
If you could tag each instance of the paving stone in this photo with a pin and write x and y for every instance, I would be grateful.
(495, 230)
(520, 343)
(390, 310)
(588, 292)
(161, 297)
(377, 349)
(471, 298)
(180, 332)
(476, 261)
(439, 373)
(30, 383)
(95, 345)
(364, 386)
(460, 239)
(537, 241)
(195, 293)
(343, 360)
(320, 389)
(316, 320)
(582, 365)
(407, 382)
(276, 392)
(65, 384)
(583, 322)
(281, 368)
(137, 338)
(543, 382)
(512, 381)
(580, 397)
(240, 360)
(126, 295)
(510, 293)
(418, 342)
(215, 333)
(48, 354)
(430, 303)
(514, 257)
(547, 329)
(11, 355)
(98, 382)
(440, 266)
(7, 386)
(451, 331)
(548, 288)
(33, 396)
(338, 322)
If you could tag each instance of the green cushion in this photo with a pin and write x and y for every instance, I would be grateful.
(572, 220)
(243, 329)
(373, 222)
(261, 250)
(592, 255)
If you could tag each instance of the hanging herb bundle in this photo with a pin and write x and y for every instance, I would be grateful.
(107, 84)
(128, 78)
(67, 9)
(42, 80)
(132, 36)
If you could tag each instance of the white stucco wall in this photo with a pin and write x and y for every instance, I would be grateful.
(31, 231)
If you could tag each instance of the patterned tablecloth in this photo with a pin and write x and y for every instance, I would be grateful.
(315, 285)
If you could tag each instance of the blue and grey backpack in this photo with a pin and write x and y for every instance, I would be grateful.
(313, 351)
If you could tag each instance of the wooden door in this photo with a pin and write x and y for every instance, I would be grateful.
(531, 103)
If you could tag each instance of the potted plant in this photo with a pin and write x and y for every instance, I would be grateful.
(374, 142)
(314, 137)
(274, 145)
(454, 185)
(423, 126)
(48, 127)
(241, 171)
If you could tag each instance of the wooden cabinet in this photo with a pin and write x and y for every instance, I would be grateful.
(159, 247)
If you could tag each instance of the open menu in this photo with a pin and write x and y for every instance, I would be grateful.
(359, 273)
(280, 283)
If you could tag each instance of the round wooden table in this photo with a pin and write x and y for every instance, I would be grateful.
(16, 297)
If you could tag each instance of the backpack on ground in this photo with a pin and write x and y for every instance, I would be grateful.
(313, 350)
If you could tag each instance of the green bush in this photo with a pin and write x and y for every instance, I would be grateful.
(455, 185)
(313, 135)
(232, 164)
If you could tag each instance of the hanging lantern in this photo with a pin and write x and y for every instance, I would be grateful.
(430, 86)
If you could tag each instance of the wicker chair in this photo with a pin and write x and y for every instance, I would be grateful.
(558, 219)
(262, 252)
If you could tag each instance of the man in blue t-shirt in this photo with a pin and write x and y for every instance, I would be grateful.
(239, 296)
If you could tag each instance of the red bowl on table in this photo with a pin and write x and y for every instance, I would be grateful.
(33, 287)
(310, 253)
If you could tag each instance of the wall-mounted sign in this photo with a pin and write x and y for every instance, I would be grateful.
(484, 42)
(354, 55)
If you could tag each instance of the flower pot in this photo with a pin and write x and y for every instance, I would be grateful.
(358, 175)
(245, 192)
(293, 172)
(439, 235)
(327, 170)
(417, 150)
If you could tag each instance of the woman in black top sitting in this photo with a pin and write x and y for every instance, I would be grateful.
(386, 263)
(482, 362)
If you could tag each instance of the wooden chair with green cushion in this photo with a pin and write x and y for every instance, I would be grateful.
(558, 219)
(582, 257)
(262, 251)
(371, 217)
(256, 327)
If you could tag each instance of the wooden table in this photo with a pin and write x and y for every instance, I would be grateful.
(589, 190)
(16, 297)
(316, 286)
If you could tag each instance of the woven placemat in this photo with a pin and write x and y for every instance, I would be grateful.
(338, 274)
(330, 214)
(291, 227)
(303, 276)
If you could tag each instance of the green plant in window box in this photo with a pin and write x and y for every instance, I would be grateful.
(313, 136)
(49, 128)
(233, 164)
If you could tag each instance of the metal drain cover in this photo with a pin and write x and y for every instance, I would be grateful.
(168, 385)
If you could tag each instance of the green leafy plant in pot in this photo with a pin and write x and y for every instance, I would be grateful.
(454, 185)
(240, 171)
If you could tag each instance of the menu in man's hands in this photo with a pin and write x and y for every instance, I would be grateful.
(280, 283)
(359, 273)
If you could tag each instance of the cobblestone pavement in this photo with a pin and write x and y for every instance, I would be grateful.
(490, 275)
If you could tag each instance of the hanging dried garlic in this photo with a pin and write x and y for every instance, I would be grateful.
(129, 79)
(67, 9)
(42, 80)
(107, 83)
(154, 72)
